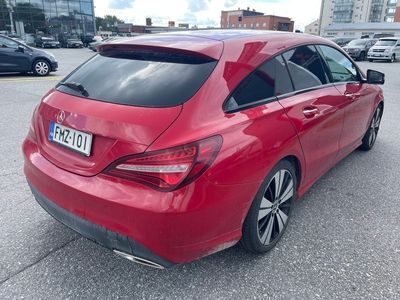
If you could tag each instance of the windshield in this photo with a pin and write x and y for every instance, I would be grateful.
(386, 43)
(357, 43)
(140, 78)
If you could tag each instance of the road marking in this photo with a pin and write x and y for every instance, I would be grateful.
(29, 79)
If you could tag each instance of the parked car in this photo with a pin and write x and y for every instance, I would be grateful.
(47, 42)
(342, 41)
(385, 49)
(358, 49)
(93, 46)
(72, 43)
(195, 141)
(18, 57)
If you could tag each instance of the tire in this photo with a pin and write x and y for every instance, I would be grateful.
(370, 60)
(393, 58)
(361, 57)
(41, 67)
(267, 219)
(370, 136)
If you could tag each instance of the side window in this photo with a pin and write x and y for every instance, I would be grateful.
(7, 43)
(269, 80)
(305, 67)
(342, 69)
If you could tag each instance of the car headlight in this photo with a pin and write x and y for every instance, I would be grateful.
(387, 50)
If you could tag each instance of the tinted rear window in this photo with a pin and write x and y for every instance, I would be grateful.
(141, 78)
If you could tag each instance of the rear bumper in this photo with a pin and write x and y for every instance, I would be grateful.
(98, 234)
(167, 228)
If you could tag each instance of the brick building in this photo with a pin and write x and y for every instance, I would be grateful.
(397, 14)
(251, 19)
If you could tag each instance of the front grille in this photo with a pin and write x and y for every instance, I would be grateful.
(379, 50)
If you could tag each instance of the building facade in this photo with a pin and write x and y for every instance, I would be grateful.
(356, 11)
(358, 30)
(397, 12)
(47, 17)
(251, 19)
(312, 28)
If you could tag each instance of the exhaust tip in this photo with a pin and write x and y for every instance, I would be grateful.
(138, 260)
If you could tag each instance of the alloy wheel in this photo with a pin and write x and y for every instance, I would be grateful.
(374, 127)
(275, 207)
(42, 68)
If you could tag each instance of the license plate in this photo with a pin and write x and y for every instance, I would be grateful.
(73, 139)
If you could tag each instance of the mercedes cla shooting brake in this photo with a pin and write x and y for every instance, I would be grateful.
(167, 148)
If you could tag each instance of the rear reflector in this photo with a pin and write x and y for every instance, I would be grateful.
(168, 169)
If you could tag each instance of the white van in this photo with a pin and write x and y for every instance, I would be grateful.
(385, 49)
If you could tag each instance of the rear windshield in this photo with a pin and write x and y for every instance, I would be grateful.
(139, 78)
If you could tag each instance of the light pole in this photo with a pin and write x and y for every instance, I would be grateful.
(10, 11)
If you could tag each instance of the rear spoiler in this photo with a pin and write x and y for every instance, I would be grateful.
(210, 52)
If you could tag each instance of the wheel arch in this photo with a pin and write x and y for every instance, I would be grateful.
(297, 166)
(41, 58)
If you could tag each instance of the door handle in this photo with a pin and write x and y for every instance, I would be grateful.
(310, 111)
(352, 96)
(349, 95)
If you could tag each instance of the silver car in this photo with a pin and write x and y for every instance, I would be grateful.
(385, 49)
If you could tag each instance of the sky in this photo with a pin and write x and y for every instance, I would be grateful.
(204, 13)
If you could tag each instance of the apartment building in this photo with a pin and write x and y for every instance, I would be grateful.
(356, 11)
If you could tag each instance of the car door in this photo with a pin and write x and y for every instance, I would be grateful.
(315, 110)
(358, 98)
(12, 58)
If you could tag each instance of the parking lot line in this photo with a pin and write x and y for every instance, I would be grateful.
(29, 79)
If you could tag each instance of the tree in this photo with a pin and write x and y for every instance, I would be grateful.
(109, 23)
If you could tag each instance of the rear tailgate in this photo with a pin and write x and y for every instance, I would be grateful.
(135, 129)
(124, 97)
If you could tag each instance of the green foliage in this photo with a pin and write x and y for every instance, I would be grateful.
(108, 23)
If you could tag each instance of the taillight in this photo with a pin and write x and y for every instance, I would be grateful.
(168, 169)
(32, 133)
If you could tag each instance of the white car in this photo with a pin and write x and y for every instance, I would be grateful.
(385, 49)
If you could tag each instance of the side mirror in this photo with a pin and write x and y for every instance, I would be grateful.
(21, 49)
(375, 77)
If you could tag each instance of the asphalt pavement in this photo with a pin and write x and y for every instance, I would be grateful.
(343, 240)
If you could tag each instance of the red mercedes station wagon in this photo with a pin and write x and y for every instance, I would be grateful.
(167, 148)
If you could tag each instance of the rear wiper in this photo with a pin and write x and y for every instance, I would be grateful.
(76, 87)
